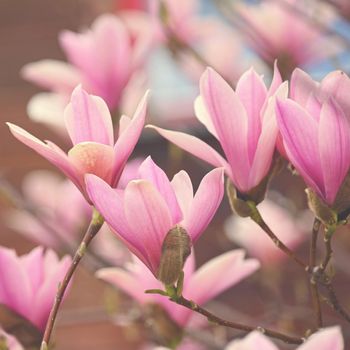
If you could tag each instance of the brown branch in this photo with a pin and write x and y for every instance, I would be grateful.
(95, 225)
(245, 328)
(315, 295)
(256, 217)
(334, 302)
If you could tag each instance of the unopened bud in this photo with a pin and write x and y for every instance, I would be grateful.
(175, 250)
(342, 202)
(321, 210)
(239, 206)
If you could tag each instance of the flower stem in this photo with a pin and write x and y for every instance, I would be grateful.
(256, 217)
(215, 319)
(95, 225)
(315, 295)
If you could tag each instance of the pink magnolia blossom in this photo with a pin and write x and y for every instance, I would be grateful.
(325, 339)
(202, 285)
(102, 59)
(302, 45)
(247, 234)
(314, 125)
(89, 125)
(243, 121)
(29, 283)
(143, 214)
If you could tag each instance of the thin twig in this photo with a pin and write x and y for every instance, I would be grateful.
(315, 295)
(95, 225)
(334, 302)
(329, 253)
(245, 328)
(256, 216)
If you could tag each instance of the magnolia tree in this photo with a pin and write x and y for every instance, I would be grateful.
(260, 131)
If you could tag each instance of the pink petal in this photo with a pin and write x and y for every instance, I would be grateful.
(194, 146)
(110, 203)
(123, 280)
(148, 217)
(252, 93)
(300, 137)
(209, 280)
(44, 297)
(334, 143)
(276, 80)
(301, 86)
(337, 85)
(230, 120)
(182, 186)
(33, 266)
(92, 158)
(130, 172)
(53, 75)
(49, 151)
(267, 139)
(87, 118)
(154, 174)
(326, 339)
(205, 203)
(254, 340)
(203, 115)
(12, 275)
(128, 138)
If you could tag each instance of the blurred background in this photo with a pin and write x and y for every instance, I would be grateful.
(180, 42)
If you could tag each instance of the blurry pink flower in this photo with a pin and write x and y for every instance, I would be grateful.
(60, 206)
(243, 121)
(89, 125)
(202, 285)
(29, 283)
(315, 130)
(222, 49)
(325, 339)
(247, 234)
(300, 46)
(143, 214)
(102, 59)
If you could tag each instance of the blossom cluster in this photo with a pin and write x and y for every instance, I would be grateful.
(146, 226)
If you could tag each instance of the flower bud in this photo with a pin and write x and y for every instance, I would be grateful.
(321, 210)
(175, 250)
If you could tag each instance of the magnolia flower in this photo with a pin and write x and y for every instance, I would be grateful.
(90, 128)
(302, 45)
(325, 339)
(202, 285)
(29, 283)
(247, 234)
(243, 121)
(315, 130)
(143, 214)
(102, 59)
